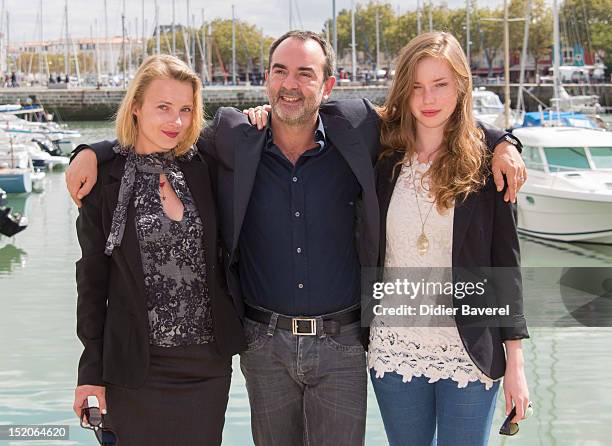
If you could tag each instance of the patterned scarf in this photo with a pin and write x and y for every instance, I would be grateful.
(155, 163)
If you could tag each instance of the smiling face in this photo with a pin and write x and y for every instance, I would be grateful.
(434, 95)
(295, 83)
(164, 116)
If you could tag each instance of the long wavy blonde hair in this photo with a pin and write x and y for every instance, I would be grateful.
(152, 68)
(460, 166)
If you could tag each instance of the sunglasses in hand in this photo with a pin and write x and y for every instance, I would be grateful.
(92, 418)
(509, 428)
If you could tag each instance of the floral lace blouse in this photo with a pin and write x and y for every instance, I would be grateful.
(435, 350)
(173, 261)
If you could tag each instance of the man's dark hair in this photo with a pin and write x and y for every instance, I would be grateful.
(330, 57)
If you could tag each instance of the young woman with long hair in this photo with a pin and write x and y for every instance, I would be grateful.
(436, 380)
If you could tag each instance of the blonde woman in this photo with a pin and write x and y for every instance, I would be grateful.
(157, 327)
(438, 384)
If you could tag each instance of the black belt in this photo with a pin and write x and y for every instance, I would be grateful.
(305, 325)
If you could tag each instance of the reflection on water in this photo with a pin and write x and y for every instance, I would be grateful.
(10, 258)
(568, 369)
(19, 203)
(540, 252)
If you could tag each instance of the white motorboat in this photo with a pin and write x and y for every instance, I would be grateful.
(486, 105)
(588, 104)
(16, 172)
(60, 135)
(568, 193)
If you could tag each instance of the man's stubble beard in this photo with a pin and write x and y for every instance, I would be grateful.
(309, 110)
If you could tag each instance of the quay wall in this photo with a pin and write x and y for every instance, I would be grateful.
(93, 104)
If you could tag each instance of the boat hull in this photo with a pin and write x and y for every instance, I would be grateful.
(564, 219)
(16, 181)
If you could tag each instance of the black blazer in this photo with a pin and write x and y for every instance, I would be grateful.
(236, 146)
(112, 320)
(352, 126)
(484, 235)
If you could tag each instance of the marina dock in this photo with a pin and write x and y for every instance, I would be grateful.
(100, 104)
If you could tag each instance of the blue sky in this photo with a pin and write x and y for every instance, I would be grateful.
(271, 15)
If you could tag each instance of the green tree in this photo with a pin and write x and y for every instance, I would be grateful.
(390, 31)
(248, 45)
(540, 28)
(489, 34)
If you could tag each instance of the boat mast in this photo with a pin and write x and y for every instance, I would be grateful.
(519, 99)
(506, 67)
(144, 41)
(261, 53)
(202, 40)
(233, 46)
(66, 59)
(187, 37)
(157, 31)
(131, 40)
(556, 54)
(107, 69)
(193, 36)
(8, 42)
(467, 32)
(123, 64)
(173, 29)
(419, 17)
(97, 53)
(335, 29)
(377, 37)
(2, 31)
(353, 46)
(209, 54)
(42, 45)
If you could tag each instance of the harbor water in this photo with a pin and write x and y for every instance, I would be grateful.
(568, 370)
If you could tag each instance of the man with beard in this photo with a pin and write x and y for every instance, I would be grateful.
(299, 217)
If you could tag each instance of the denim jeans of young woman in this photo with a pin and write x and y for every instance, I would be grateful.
(418, 413)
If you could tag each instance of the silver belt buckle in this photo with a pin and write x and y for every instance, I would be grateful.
(295, 329)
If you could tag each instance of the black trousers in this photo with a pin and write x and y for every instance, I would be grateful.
(183, 401)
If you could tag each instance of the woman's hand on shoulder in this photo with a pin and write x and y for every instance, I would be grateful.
(507, 161)
(81, 175)
(258, 115)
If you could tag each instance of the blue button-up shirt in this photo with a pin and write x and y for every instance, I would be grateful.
(297, 242)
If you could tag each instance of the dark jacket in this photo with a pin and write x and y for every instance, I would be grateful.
(236, 145)
(484, 235)
(351, 125)
(112, 319)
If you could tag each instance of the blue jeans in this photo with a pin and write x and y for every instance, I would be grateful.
(418, 413)
(305, 390)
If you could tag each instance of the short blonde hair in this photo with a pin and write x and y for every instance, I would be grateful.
(152, 68)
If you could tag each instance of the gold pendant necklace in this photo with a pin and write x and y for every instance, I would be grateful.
(422, 243)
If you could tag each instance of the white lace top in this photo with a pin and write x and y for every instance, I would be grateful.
(435, 351)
